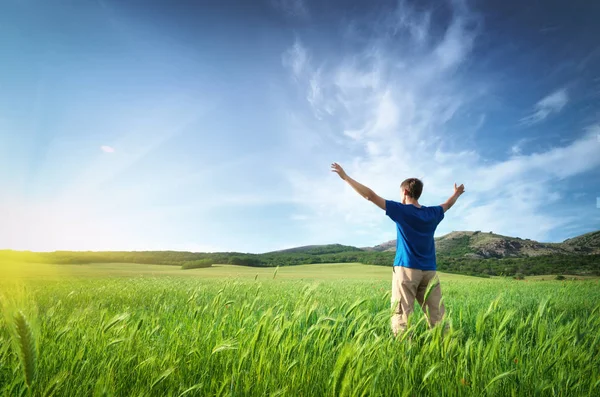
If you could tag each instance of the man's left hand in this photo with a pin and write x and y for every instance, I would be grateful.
(335, 167)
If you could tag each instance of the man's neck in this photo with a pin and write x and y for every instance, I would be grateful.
(413, 202)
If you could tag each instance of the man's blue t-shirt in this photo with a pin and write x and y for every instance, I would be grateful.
(415, 247)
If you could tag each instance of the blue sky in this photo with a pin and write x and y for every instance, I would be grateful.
(211, 125)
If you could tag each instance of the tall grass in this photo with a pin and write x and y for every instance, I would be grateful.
(181, 337)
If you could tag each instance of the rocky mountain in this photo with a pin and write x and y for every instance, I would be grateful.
(480, 244)
(588, 241)
(383, 247)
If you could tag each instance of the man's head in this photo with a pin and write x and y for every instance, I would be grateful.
(411, 190)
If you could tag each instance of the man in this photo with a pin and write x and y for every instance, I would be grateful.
(414, 270)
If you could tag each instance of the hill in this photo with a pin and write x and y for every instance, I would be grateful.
(317, 249)
(479, 244)
(588, 242)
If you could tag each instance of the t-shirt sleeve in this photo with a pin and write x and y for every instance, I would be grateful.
(393, 209)
(440, 213)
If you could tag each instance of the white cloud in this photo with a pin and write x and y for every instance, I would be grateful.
(517, 148)
(107, 149)
(394, 102)
(553, 103)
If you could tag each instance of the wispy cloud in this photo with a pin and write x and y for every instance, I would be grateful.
(292, 8)
(107, 149)
(457, 43)
(395, 102)
(517, 148)
(552, 103)
(299, 217)
(296, 58)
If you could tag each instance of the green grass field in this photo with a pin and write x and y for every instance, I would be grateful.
(139, 330)
(37, 271)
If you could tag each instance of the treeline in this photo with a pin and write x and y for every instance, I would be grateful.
(177, 258)
(582, 265)
(319, 249)
(197, 264)
(540, 265)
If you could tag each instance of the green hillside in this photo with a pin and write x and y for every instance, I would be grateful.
(465, 252)
(317, 249)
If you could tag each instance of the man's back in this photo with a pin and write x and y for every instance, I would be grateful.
(415, 246)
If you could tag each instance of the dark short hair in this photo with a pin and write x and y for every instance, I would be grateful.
(414, 187)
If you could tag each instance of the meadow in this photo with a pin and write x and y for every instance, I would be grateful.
(310, 330)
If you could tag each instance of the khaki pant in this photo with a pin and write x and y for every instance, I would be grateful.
(408, 284)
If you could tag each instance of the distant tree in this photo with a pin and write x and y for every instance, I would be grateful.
(200, 263)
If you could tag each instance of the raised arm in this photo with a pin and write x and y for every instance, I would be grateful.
(360, 188)
(458, 190)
